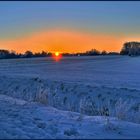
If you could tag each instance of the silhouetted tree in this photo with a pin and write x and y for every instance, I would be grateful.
(131, 49)
(104, 53)
(28, 54)
(93, 52)
(4, 54)
(113, 53)
(38, 54)
(126, 48)
(43, 53)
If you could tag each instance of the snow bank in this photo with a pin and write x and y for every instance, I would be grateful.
(36, 121)
(86, 99)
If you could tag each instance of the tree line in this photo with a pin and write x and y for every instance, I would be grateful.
(5, 54)
(92, 52)
(129, 48)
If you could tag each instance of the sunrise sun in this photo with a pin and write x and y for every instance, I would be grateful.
(57, 54)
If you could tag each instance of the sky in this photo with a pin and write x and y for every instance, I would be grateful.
(68, 26)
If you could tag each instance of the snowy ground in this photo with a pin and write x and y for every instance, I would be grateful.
(21, 119)
(111, 71)
(95, 86)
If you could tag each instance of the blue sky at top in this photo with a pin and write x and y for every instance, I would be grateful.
(115, 18)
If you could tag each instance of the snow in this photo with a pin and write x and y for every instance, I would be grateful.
(21, 119)
(41, 98)
(111, 71)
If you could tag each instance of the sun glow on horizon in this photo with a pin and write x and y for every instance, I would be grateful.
(57, 54)
(65, 41)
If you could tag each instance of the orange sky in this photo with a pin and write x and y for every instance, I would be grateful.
(63, 41)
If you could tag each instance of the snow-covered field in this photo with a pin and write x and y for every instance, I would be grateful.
(69, 90)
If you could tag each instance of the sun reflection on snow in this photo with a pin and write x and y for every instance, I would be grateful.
(57, 56)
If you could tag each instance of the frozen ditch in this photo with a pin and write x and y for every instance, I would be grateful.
(123, 103)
